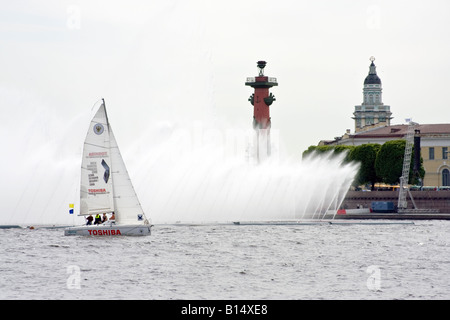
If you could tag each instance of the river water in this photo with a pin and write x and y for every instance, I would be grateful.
(323, 261)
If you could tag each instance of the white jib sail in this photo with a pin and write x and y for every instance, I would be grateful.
(105, 184)
(128, 210)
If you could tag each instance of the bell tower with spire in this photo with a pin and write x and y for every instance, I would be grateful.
(372, 112)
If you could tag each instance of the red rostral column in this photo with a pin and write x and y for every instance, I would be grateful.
(261, 101)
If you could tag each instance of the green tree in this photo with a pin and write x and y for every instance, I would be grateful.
(366, 155)
(323, 149)
(317, 149)
(379, 163)
(389, 163)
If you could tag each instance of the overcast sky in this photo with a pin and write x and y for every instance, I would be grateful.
(190, 58)
(185, 61)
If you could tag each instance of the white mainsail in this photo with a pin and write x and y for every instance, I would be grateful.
(105, 184)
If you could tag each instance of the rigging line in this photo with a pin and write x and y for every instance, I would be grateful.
(96, 103)
(30, 205)
(95, 145)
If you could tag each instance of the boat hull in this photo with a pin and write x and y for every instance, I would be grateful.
(109, 230)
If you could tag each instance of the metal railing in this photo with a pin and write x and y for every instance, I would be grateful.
(270, 79)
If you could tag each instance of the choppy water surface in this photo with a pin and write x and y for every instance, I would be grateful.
(231, 262)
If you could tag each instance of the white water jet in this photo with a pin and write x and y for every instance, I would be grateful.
(192, 175)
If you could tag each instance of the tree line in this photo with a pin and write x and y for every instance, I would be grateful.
(378, 163)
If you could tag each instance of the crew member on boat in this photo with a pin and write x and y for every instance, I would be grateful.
(98, 219)
(113, 217)
(89, 220)
(104, 218)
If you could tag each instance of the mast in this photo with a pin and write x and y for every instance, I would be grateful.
(106, 113)
(111, 162)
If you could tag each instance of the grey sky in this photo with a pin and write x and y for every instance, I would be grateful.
(159, 58)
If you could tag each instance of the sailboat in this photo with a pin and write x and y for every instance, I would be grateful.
(106, 187)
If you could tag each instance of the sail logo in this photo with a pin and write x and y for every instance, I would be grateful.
(106, 175)
(94, 191)
(105, 233)
(97, 154)
(98, 128)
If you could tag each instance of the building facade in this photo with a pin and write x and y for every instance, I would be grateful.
(372, 125)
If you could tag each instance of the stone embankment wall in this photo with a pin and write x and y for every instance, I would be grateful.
(423, 199)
